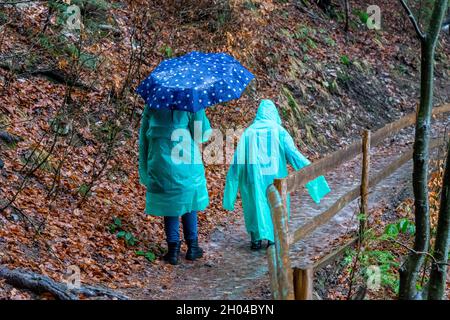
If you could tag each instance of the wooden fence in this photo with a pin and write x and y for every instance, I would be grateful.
(287, 283)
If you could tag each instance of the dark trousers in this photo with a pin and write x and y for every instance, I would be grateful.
(172, 227)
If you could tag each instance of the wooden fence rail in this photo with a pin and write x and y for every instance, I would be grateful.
(300, 178)
(353, 194)
(288, 283)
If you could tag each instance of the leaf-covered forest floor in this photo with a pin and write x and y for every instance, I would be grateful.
(68, 106)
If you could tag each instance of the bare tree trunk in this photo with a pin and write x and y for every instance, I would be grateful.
(410, 269)
(347, 15)
(436, 287)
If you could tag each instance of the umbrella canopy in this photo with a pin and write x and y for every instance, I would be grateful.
(194, 81)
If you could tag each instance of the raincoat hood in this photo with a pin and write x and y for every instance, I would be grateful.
(268, 111)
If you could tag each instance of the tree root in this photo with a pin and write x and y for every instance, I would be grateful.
(53, 74)
(39, 284)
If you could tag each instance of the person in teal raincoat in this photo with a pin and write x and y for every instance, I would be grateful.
(262, 155)
(171, 167)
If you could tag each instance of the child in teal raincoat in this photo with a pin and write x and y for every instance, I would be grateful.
(261, 156)
(171, 167)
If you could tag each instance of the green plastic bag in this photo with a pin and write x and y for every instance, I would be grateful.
(318, 188)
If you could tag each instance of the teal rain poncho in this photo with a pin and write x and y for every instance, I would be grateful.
(261, 156)
(170, 162)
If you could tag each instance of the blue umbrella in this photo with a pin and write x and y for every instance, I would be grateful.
(194, 81)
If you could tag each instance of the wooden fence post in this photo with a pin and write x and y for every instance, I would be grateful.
(303, 283)
(281, 186)
(273, 275)
(280, 225)
(364, 208)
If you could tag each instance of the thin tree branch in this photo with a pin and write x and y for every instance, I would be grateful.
(413, 20)
(13, 3)
(421, 253)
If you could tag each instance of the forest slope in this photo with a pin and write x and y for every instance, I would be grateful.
(68, 105)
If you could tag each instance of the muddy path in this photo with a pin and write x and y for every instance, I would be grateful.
(231, 270)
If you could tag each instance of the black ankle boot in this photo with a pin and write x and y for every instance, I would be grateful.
(194, 251)
(173, 252)
(256, 245)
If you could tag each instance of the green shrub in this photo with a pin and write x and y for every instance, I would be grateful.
(250, 5)
(362, 15)
(129, 238)
(330, 42)
(167, 51)
(345, 60)
(84, 190)
(404, 226)
(150, 256)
